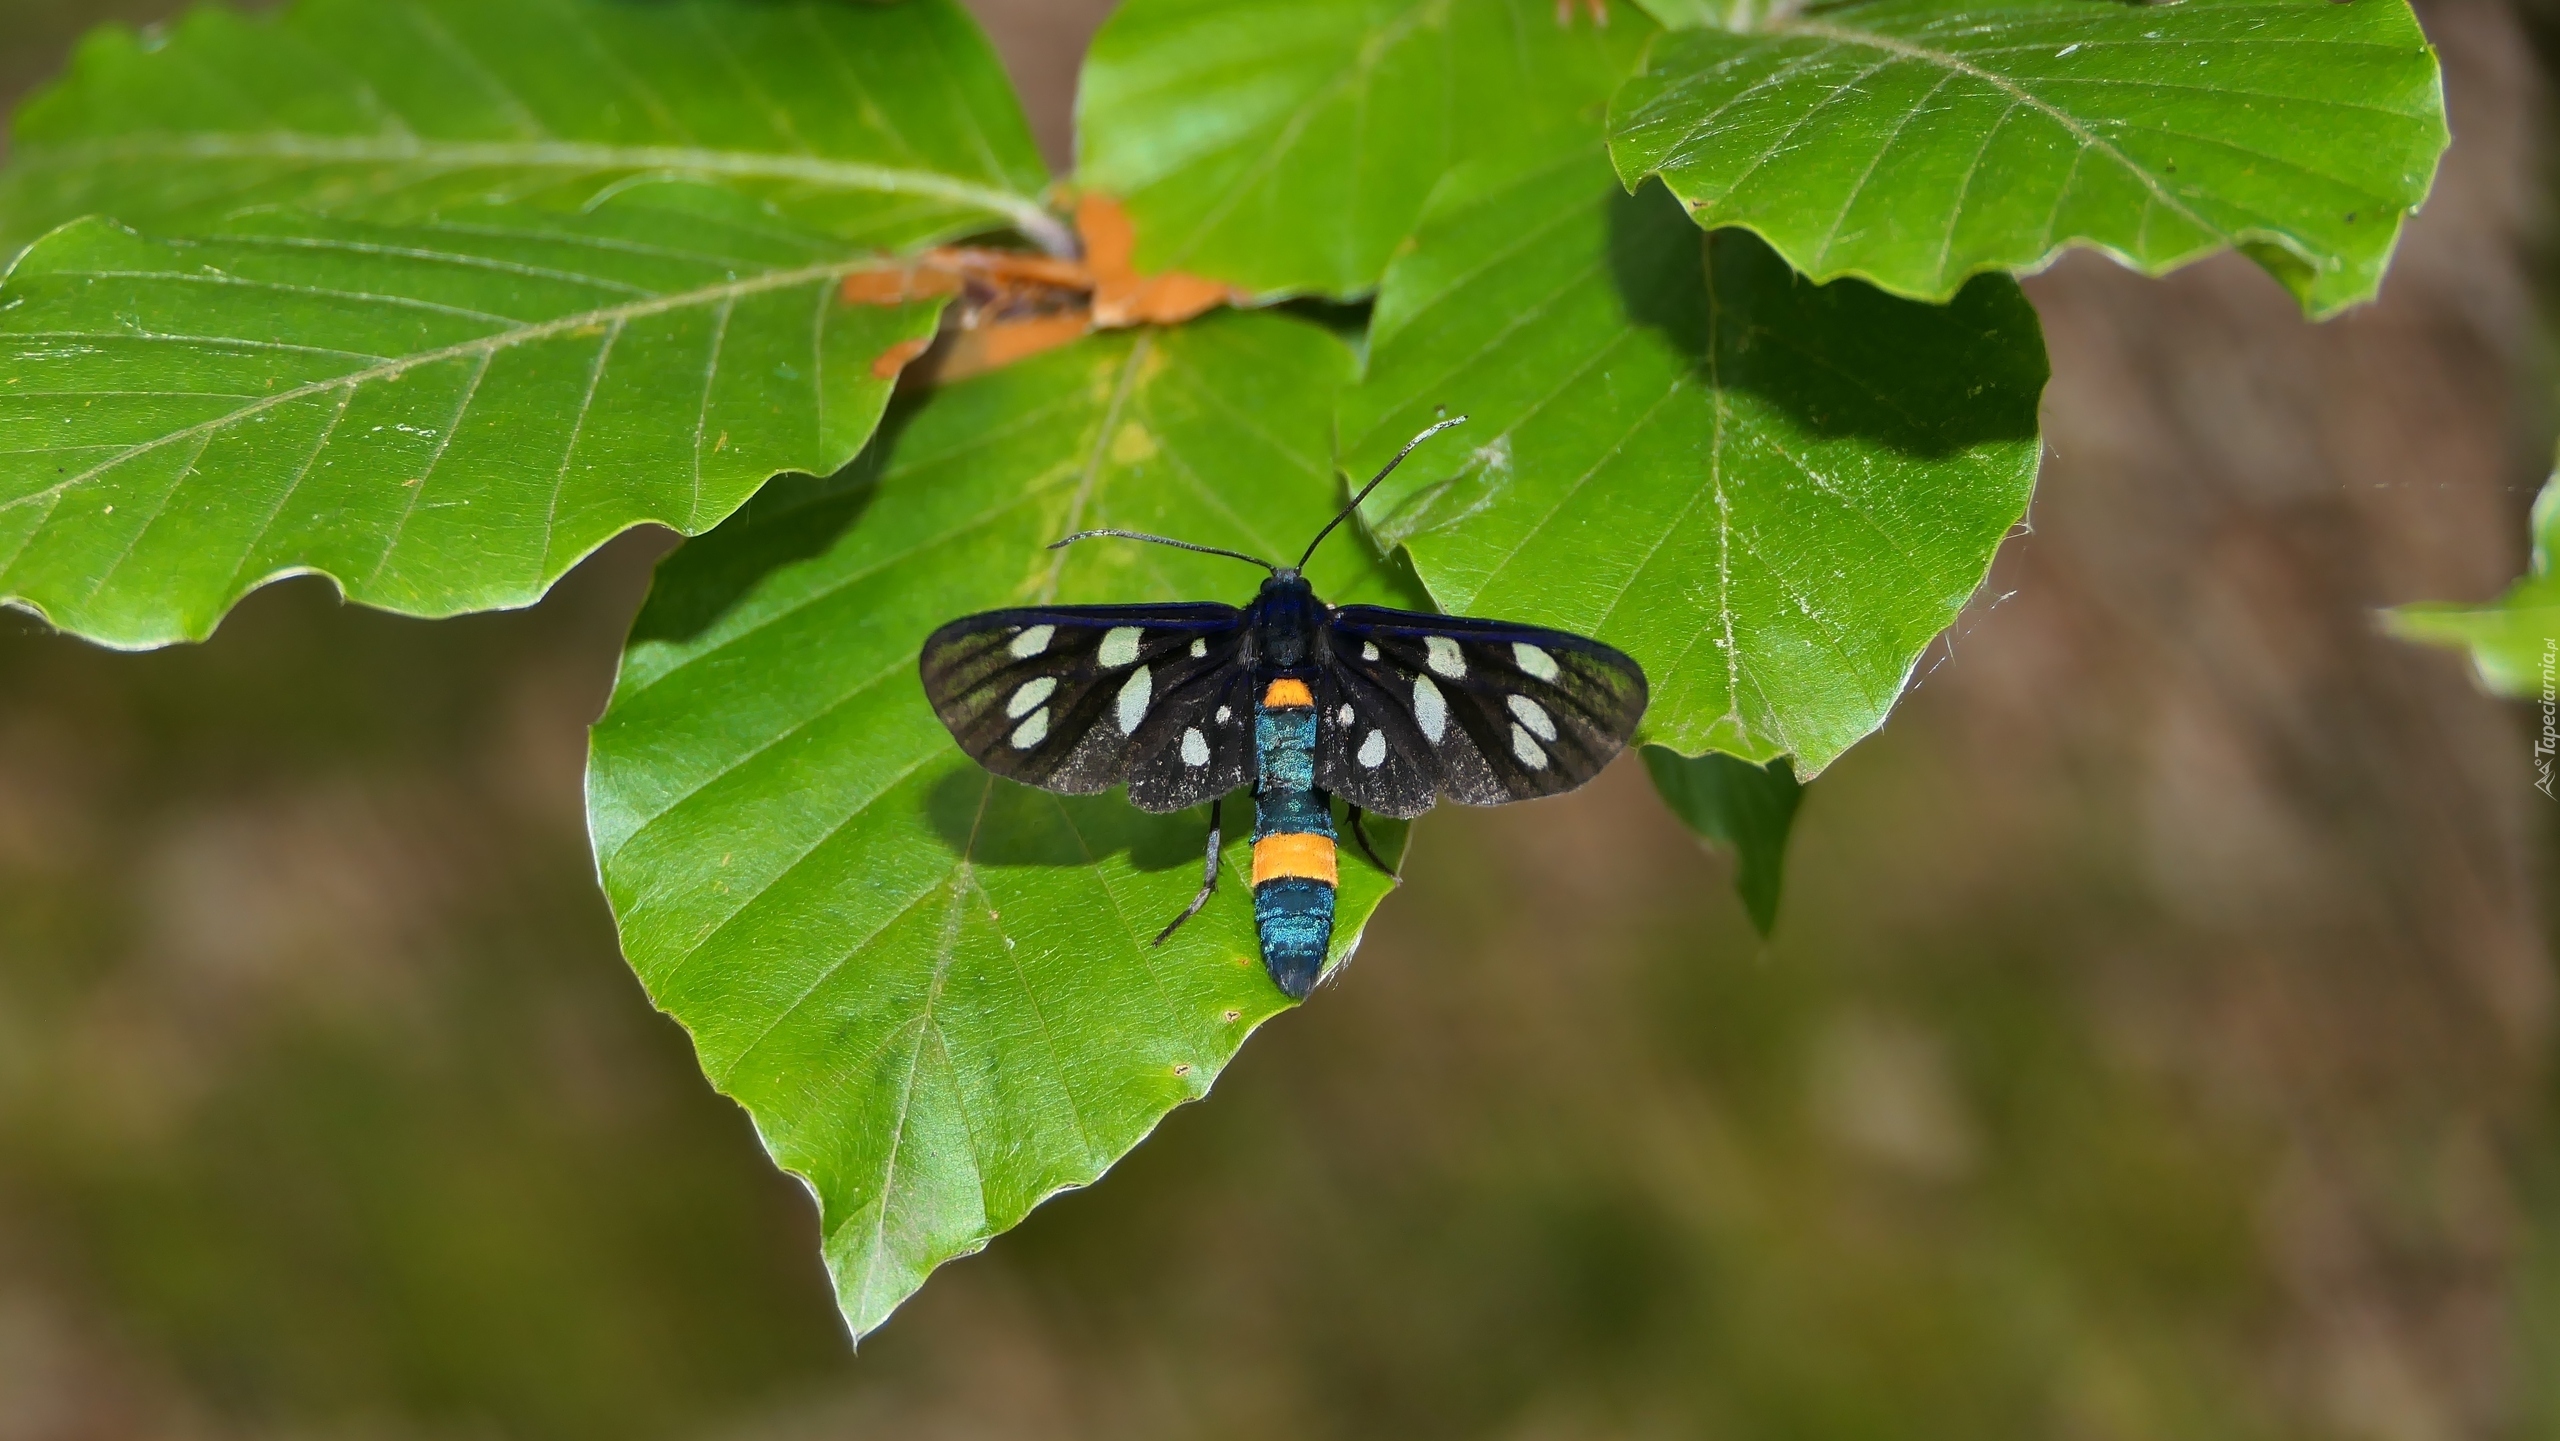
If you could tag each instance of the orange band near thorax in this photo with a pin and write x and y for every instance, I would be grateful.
(1294, 855)
(1287, 692)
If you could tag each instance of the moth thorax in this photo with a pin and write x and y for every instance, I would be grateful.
(1285, 618)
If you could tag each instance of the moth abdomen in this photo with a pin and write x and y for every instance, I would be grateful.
(1294, 866)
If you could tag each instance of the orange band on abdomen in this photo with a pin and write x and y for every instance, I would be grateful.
(1294, 855)
(1285, 691)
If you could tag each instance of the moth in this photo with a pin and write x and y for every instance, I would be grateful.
(1301, 701)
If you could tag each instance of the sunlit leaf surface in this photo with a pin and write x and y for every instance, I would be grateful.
(1916, 142)
(1770, 493)
(882, 125)
(442, 417)
(934, 990)
(1285, 146)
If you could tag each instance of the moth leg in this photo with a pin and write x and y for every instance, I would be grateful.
(1362, 836)
(1208, 879)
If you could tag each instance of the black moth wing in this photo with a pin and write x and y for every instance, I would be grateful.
(1196, 743)
(1078, 698)
(1485, 711)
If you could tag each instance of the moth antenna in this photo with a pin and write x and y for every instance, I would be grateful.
(1164, 540)
(1373, 485)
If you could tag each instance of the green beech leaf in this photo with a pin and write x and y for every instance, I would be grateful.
(2514, 640)
(442, 417)
(880, 124)
(1770, 493)
(1916, 142)
(934, 990)
(1285, 146)
(1735, 803)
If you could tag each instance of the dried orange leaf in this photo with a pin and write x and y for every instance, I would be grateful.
(1121, 296)
(896, 357)
(1011, 306)
(1013, 269)
(897, 285)
(983, 348)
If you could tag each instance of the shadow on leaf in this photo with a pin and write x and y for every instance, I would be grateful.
(796, 517)
(1835, 360)
(998, 822)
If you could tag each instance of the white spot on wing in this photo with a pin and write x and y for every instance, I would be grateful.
(1223, 713)
(1534, 716)
(1195, 747)
(1031, 642)
(1444, 658)
(1429, 708)
(1373, 751)
(1533, 660)
(1368, 650)
(1119, 647)
(1199, 647)
(1135, 692)
(1033, 731)
(1030, 693)
(1343, 716)
(1525, 747)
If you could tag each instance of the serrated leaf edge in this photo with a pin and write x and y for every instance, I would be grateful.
(2318, 305)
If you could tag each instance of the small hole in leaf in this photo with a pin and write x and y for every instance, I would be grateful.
(1235, 1015)
(1183, 1069)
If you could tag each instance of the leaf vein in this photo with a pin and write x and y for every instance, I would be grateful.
(389, 366)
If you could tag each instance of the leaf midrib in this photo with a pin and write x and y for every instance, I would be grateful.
(2017, 92)
(1026, 213)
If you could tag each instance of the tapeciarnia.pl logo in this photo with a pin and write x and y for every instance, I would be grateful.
(2548, 743)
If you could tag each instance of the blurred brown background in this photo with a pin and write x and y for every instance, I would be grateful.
(2156, 1042)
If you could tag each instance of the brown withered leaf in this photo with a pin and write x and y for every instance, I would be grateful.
(996, 281)
(1008, 305)
(1122, 296)
(896, 358)
(896, 286)
(964, 353)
